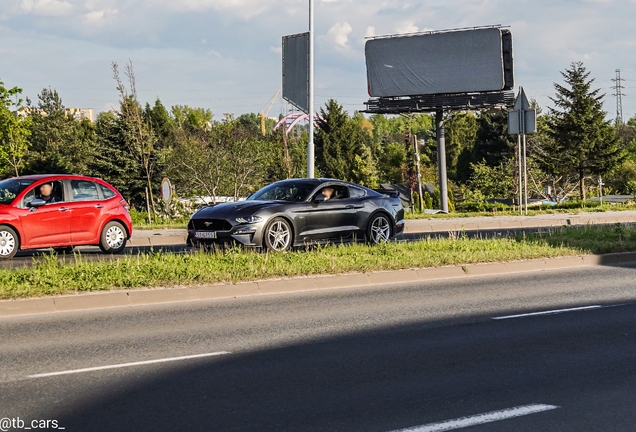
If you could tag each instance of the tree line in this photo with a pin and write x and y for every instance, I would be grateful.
(134, 146)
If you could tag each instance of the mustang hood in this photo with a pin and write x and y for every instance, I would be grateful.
(234, 209)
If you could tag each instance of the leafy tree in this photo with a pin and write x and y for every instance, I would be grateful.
(186, 116)
(364, 170)
(582, 141)
(196, 164)
(246, 154)
(60, 143)
(136, 128)
(230, 159)
(461, 134)
(392, 163)
(288, 156)
(14, 131)
(493, 182)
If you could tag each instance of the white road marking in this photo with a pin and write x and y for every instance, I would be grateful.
(479, 419)
(550, 312)
(125, 365)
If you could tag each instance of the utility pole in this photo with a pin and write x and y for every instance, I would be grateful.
(310, 142)
(618, 88)
(441, 161)
(419, 174)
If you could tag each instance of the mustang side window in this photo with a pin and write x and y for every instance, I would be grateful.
(355, 192)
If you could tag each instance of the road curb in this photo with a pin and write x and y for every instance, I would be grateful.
(139, 297)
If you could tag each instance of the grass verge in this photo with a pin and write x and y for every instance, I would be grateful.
(48, 277)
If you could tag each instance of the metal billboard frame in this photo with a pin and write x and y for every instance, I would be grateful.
(445, 102)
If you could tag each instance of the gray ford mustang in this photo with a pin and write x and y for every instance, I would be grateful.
(297, 212)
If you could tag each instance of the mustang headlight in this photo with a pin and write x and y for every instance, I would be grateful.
(249, 220)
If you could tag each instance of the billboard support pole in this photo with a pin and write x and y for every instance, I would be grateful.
(441, 161)
(419, 175)
(525, 174)
(310, 141)
(520, 165)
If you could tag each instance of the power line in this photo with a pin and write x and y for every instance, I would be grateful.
(618, 88)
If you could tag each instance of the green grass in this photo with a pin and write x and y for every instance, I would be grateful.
(140, 221)
(48, 277)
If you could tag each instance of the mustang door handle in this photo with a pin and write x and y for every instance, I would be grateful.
(63, 209)
(351, 206)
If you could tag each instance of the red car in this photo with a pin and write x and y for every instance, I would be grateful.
(60, 212)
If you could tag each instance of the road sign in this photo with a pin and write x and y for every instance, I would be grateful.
(166, 190)
(522, 119)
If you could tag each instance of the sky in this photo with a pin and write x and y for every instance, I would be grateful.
(225, 55)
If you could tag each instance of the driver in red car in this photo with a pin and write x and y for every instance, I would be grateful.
(46, 193)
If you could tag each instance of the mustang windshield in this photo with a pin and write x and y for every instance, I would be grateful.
(10, 188)
(288, 191)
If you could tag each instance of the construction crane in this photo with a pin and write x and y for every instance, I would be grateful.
(263, 115)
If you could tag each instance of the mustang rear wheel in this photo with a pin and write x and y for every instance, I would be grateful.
(113, 238)
(379, 230)
(9, 242)
(278, 235)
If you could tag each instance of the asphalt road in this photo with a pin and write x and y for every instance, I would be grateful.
(29, 257)
(374, 359)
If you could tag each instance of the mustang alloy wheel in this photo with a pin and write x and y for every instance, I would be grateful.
(113, 238)
(278, 235)
(9, 242)
(379, 229)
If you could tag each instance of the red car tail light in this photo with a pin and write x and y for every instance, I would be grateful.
(124, 204)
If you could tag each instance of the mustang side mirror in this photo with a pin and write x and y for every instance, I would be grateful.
(320, 198)
(36, 203)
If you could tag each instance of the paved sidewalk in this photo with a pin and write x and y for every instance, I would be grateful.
(515, 222)
(170, 237)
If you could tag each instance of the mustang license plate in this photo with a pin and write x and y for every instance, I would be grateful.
(205, 234)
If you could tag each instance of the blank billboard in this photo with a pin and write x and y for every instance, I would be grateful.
(465, 61)
(296, 70)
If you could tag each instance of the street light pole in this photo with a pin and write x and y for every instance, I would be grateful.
(310, 142)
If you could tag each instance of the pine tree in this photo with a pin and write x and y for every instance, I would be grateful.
(112, 160)
(493, 143)
(583, 142)
(339, 140)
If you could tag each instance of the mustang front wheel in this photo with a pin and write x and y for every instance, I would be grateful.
(379, 230)
(278, 235)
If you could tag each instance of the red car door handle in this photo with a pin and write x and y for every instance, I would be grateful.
(99, 206)
(63, 209)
